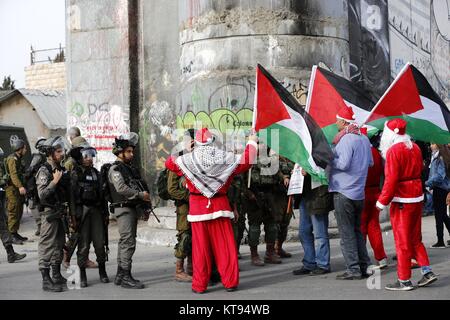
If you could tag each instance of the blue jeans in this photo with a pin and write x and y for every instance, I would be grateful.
(311, 228)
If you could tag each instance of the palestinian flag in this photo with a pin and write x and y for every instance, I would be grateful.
(412, 98)
(328, 93)
(287, 128)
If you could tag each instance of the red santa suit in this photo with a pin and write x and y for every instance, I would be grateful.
(209, 172)
(370, 218)
(403, 187)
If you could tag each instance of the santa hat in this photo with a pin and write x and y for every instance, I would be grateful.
(363, 130)
(346, 113)
(203, 137)
(397, 126)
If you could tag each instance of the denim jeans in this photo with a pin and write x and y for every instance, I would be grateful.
(311, 228)
(353, 246)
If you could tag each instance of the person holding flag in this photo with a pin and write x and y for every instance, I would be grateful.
(402, 189)
(209, 171)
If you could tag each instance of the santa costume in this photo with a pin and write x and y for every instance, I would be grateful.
(370, 217)
(403, 190)
(209, 172)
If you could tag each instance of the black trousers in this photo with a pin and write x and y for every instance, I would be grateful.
(440, 212)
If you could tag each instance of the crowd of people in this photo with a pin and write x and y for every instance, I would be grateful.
(214, 191)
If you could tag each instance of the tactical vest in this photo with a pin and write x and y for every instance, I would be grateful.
(132, 179)
(89, 190)
(30, 175)
(60, 195)
(19, 168)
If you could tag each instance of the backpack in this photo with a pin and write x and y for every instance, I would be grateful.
(161, 185)
(104, 179)
(4, 176)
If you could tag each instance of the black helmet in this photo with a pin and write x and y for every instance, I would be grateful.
(124, 141)
(17, 144)
(52, 144)
(40, 141)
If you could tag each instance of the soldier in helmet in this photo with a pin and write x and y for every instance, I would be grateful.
(86, 201)
(128, 191)
(15, 189)
(37, 160)
(5, 235)
(53, 190)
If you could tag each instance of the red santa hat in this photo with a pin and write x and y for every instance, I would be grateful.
(203, 137)
(363, 130)
(346, 113)
(397, 126)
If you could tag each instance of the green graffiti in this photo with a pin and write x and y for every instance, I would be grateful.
(77, 109)
(220, 119)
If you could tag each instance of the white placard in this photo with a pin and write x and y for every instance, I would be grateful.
(296, 181)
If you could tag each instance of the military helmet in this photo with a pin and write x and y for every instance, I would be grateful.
(124, 141)
(17, 144)
(52, 144)
(77, 142)
(40, 141)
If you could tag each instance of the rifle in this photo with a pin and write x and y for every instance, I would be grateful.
(146, 207)
(74, 238)
(105, 228)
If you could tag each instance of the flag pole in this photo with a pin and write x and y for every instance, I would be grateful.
(405, 67)
(255, 103)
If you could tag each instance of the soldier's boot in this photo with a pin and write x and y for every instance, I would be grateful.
(256, 260)
(102, 272)
(119, 276)
(270, 256)
(47, 283)
(180, 275)
(14, 256)
(16, 234)
(279, 250)
(83, 278)
(189, 269)
(38, 230)
(57, 276)
(129, 282)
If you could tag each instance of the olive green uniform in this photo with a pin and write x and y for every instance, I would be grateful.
(178, 192)
(235, 197)
(5, 235)
(15, 200)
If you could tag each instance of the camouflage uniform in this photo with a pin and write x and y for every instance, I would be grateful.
(15, 200)
(235, 199)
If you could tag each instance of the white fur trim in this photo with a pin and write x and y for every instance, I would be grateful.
(210, 216)
(380, 205)
(408, 200)
(253, 143)
(396, 130)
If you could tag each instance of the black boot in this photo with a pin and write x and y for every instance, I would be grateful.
(102, 272)
(57, 276)
(13, 256)
(119, 276)
(20, 237)
(83, 278)
(129, 282)
(47, 283)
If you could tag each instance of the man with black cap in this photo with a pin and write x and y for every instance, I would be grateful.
(53, 189)
(5, 235)
(128, 191)
(15, 190)
(86, 201)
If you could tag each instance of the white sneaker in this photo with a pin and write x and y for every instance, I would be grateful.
(382, 264)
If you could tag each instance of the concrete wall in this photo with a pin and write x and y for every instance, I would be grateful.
(46, 76)
(98, 85)
(12, 113)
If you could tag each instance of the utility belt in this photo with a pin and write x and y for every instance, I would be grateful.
(56, 212)
(126, 204)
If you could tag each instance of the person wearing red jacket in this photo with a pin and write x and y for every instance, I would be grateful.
(370, 218)
(402, 189)
(209, 171)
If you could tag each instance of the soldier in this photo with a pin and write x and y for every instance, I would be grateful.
(261, 205)
(235, 199)
(53, 190)
(74, 152)
(5, 235)
(128, 191)
(30, 177)
(176, 186)
(284, 214)
(86, 202)
(15, 190)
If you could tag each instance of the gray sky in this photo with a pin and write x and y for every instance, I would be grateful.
(40, 23)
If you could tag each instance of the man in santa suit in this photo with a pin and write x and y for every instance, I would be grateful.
(402, 189)
(370, 218)
(209, 171)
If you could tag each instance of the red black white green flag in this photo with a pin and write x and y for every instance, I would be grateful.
(328, 93)
(412, 98)
(287, 128)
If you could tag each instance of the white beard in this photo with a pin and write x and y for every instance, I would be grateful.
(389, 138)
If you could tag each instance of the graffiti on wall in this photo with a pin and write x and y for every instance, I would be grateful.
(420, 33)
(99, 124)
